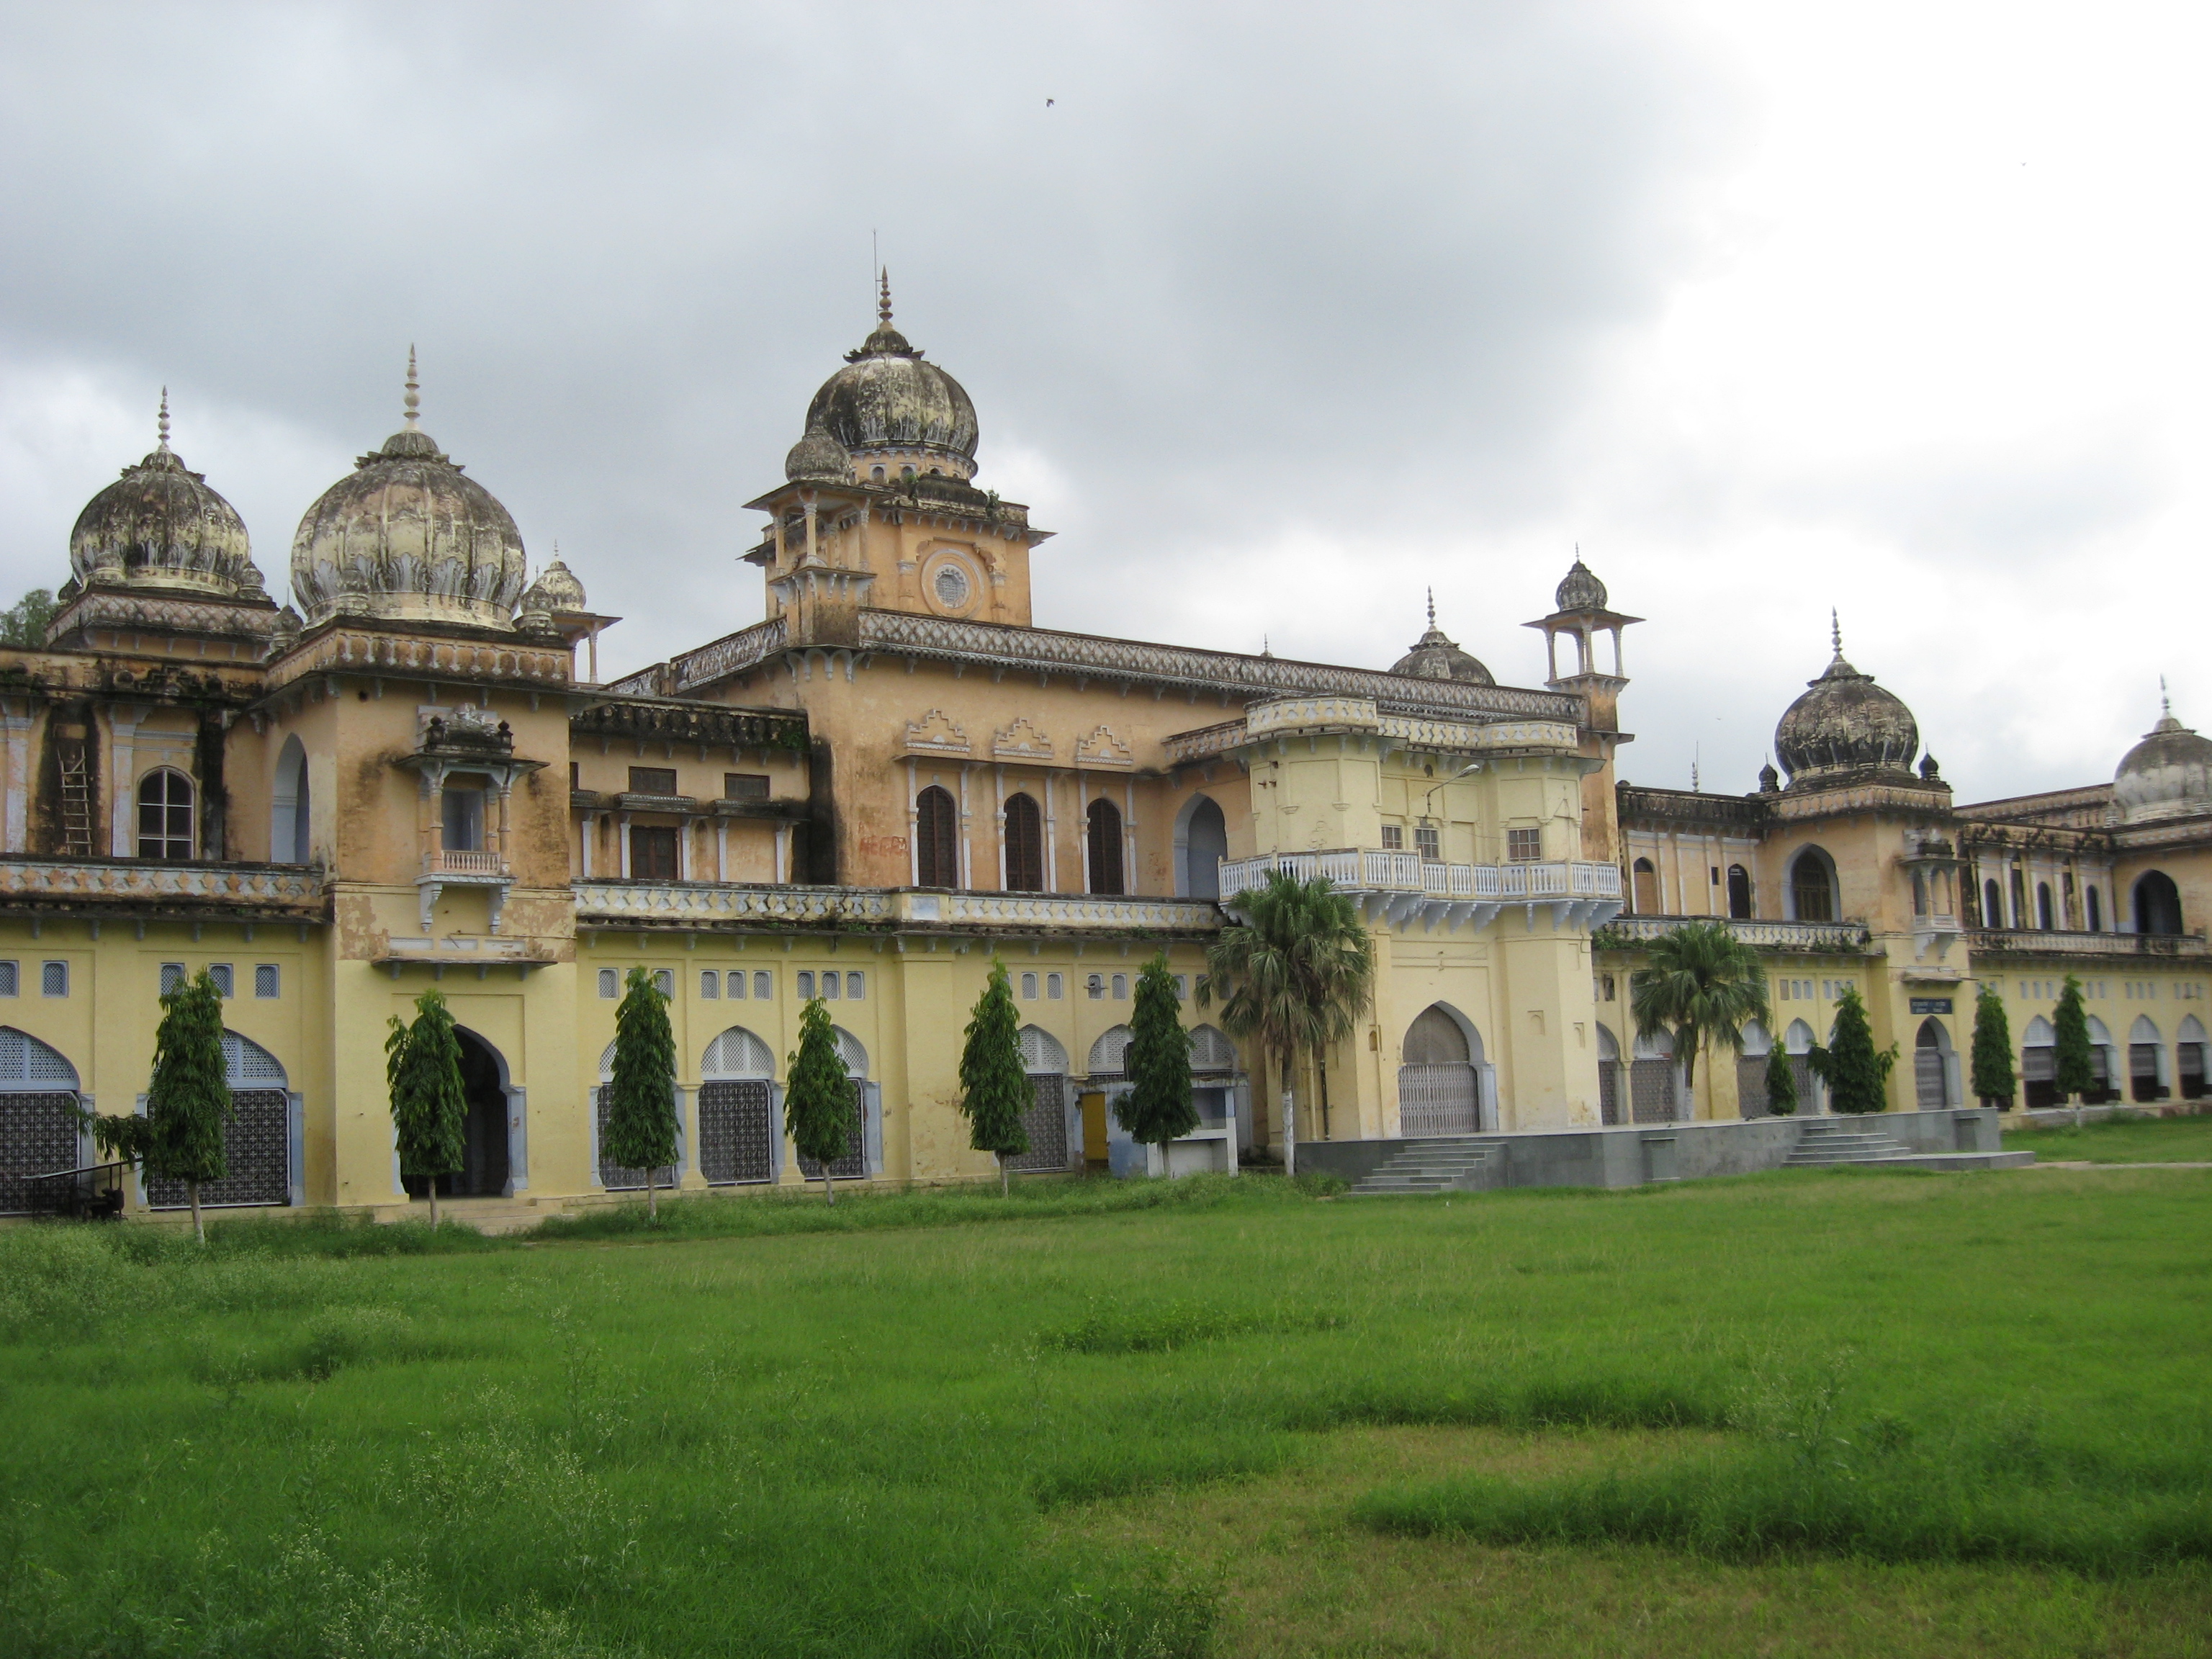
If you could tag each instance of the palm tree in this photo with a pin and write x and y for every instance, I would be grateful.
(1295, 973)
(1701, 985)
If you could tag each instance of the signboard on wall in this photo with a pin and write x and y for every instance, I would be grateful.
(1931, 1005)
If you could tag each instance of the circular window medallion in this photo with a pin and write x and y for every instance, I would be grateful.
(951, 585)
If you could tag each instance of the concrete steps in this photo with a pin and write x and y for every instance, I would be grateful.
(1435, 1166)
(1844, 1141)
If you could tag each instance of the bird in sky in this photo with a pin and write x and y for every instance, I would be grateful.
(1048, 103)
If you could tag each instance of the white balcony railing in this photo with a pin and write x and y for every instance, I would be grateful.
(1402, 886)
(448, 862)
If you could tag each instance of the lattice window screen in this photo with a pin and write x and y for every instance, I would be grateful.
(1109, 1054)
(24, 1060)
(849, 1050)
(1212, 1051)
(248, 1065)
(737, 1054)
(1040, 1051)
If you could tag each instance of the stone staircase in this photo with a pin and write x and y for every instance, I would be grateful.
(1829, 1140)
(1436, 1166)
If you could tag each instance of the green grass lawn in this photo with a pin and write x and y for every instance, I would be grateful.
(2126, 1141)
(1801, 1413)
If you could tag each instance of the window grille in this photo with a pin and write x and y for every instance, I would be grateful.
(220, 973)
(651, 780)
(805, 984)
(1394, 837)
(1527, 846)
(610, 982)
(164, 815)
(53, 979)
(26, 1060)
(1053, 986)
(1109, 1053)
(710, 984)
(763, 985)
(745, 786)
(738, 1052)
(268, 981)
(1120, 987)
(1041, 1050)
(173, 977)
(1028, 988)
(737, 986)
(832, 987)
(1429, 842)
(663, 981)
(10, 979)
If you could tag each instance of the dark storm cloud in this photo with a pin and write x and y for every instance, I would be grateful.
(1255, 269)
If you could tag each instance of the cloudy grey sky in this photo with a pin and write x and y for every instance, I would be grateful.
(1279, 314)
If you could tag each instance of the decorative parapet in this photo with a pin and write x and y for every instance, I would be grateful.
(738, 906)
(2045, 944)
(712, 904)
(1638, 804)
(1102, 748)
(667, 720)
(1022, 742)
(895, 633)
(1057, 913)
(937, 733)
(340, 650)
(247, 891)
(1281, 716)
(1862, 797)
(1800, 938)
(733, 653)
(1400, 888)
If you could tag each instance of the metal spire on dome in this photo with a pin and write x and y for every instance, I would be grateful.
(2165, 703)
(1836, 630)
(883, 297)
(162, 425)
(413, 400)
(1432, 607)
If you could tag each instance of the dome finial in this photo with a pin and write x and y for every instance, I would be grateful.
(1835, 630)
(1432, 607)
(413, 400)
(2165, 702)
(884, 296)
(162, 425)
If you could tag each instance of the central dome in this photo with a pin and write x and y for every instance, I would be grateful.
(888, 407)
(408, 536)
(1844, 723)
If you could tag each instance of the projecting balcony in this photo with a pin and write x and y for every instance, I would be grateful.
(1799, 938)
(447, 866)
(1400, 887)
(2053, 942)
(147, 889)
(447, 862)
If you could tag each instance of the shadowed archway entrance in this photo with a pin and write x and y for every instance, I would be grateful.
(485, 1161)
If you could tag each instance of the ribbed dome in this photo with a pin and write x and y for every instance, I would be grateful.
(817, 458)
(2167, 775)
(556, 589)
(160, 525)
(1845, 723)
(1581, 590)
(886, 399)
(1435, 658)
(407, 536)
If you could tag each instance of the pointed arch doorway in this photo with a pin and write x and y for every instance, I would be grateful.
(487, 1155)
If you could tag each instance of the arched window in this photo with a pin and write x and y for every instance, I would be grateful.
(39, 1124)
(2158, 903)
(1025, 845)
(1109, 1054)
(2043, 918)
(164, 815)
(1644, 885)
(2144, 1061)
(1992, 904)
(287, 807)
(1105, 847)
(1811, 887)
(1739, 892)
(2189, 1058)
(2019, 899)
(737, 1142)
(1919, 894)
(2096, 911)
(1206, 843)
(936, 842)
(1439, 1091)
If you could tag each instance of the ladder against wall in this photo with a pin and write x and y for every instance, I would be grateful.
(77, 799)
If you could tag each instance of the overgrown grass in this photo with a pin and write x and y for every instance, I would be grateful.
(782, 1430)
(2129, 1140)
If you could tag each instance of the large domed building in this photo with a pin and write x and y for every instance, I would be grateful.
(409, 536)
(1844, 724)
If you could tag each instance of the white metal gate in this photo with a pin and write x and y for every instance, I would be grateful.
(1438, 1100)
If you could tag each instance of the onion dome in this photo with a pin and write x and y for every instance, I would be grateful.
(2167, 775)
(160, 525)
(557, 589)
(1435, 658)
(1581, 590)
(408, 536)
(886, 402)
(817, 458)
(1844, 723)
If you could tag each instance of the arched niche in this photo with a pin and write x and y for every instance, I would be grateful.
(1440, 1089)
(1201, 843)
(290, 817)
(2157, 903)
(1932, 1066)
(740, 1130)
